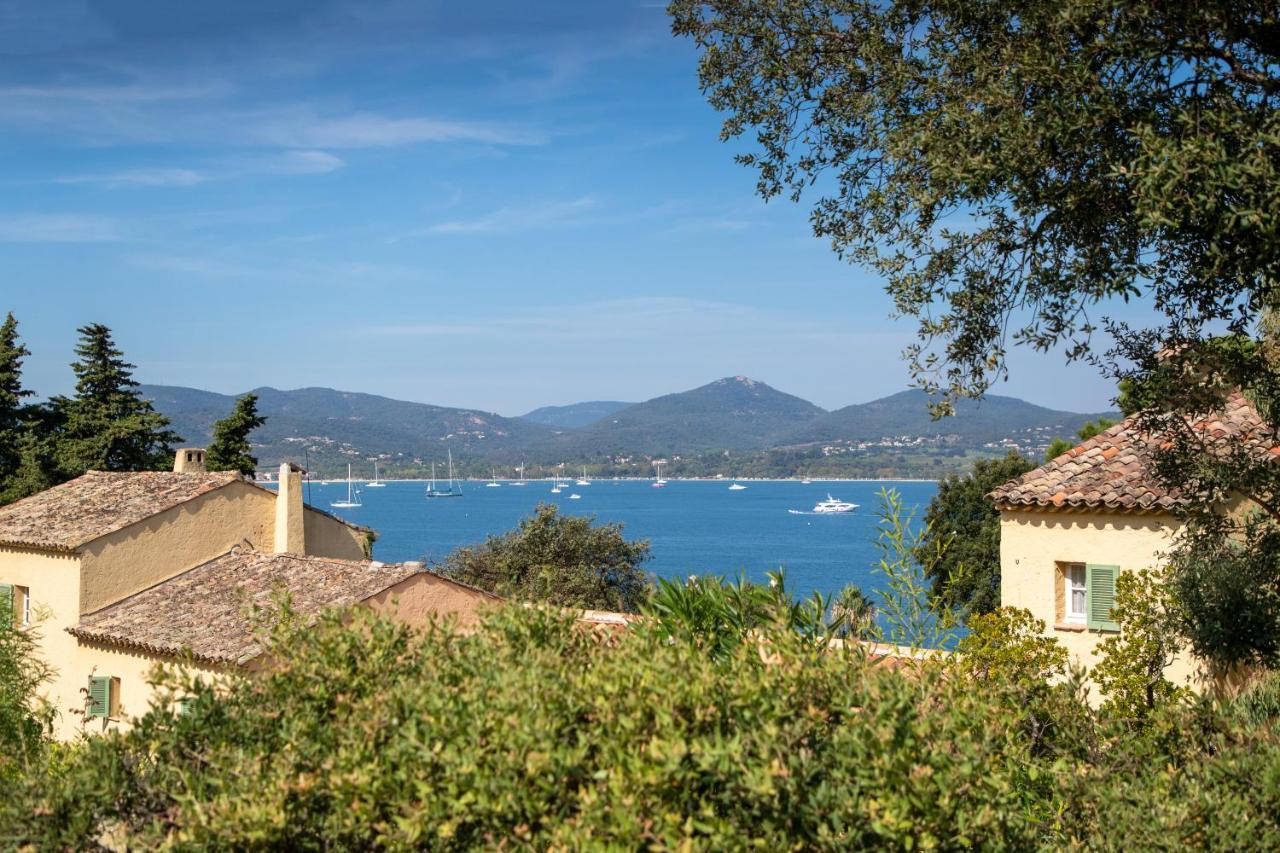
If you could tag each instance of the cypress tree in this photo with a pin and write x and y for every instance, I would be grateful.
(230, 450)
(107, 425)
(12, 394)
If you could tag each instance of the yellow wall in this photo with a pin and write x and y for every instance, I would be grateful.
(64, 586)
(418, 599)
(169, 543)
(54, 581)
(1032, 543)
(328, 537)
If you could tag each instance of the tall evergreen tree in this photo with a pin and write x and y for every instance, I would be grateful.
(230, 450)
(12, 394)
(107, 425)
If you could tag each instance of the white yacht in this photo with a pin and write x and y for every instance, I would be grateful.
(831, 505)
(376, 484)
(736, 487)
(353, 497)
(575, 497)
(493, 480)
(454, 490)
(520, 482)
(584, 481)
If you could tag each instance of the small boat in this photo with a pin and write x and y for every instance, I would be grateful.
(521, 481)
(575, 497)
(453, 491)
(353, 497)
(659, 483)
(584, 481)
(833, 505)
(806, 481)
(736, 487)
(376, 484)
(555, 490)
(493, 481)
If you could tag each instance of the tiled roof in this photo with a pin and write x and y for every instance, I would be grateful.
(203, 610)
(1113, 470)
(95, 504)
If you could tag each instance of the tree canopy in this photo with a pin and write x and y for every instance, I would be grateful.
(1010, 167)
(230, 449)
(107, 425)
(12, 396)
(558, 559)
(962, 527)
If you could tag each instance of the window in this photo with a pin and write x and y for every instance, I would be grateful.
(1076, 596)
(15, 604)
(1085, 594)
(104, 697)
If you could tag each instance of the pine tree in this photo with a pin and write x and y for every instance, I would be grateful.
(107, 425)
(230, 450)
(12, 394)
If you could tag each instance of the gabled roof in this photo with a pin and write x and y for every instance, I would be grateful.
(75, 513)
(203, 611)
(1113, 470)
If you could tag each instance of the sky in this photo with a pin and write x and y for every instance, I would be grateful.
(496, 205)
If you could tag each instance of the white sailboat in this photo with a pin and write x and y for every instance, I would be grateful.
(584, 481)
(521, 481)
(659, 483)
(493, 480)
(353, 497)
(453, 492)
(376, 484)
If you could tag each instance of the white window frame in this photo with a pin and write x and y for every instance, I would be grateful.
(1070, 587)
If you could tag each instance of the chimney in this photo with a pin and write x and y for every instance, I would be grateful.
(189, 460)
(290, 528)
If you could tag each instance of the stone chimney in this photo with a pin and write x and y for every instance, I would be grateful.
(290, 526)
(189, 460)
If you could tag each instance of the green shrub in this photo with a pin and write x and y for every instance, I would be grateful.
(558, 559)
(533, 732)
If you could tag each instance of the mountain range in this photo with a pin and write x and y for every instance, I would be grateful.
(736, 415)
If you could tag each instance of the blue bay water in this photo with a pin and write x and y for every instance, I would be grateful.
(695, 527)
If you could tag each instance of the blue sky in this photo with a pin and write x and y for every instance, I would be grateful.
(496, 204)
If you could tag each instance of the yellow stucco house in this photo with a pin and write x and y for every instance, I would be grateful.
(1071, 526)
(119, 571)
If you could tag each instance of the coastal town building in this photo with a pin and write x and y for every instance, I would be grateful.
(1069, 528)
(119, 571)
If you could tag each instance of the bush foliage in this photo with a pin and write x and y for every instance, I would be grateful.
(533, 731)
(558, 559)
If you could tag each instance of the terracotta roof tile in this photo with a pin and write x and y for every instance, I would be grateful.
(204, 610)
(1112, 470)
(97, 503)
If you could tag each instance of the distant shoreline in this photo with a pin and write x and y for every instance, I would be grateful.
(643, 480)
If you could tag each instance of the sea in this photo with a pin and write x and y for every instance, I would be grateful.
(695, 527)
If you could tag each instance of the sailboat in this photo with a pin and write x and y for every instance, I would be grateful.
(353, 497)
(659, 483)
(376, 484)
(493, 480)
(453, 492)
(584, 481)
(521, 481)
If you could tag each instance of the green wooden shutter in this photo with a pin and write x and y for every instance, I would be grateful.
(99, 696)
(1100, 586)
(6, 603)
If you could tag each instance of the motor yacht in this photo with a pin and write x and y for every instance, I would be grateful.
(832, 505)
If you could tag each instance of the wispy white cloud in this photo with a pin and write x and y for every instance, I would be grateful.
(285, 163)
(302, 127)
(58, 228)
(139, 178)
(506, 219)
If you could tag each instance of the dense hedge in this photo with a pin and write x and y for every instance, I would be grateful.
(536, 732)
